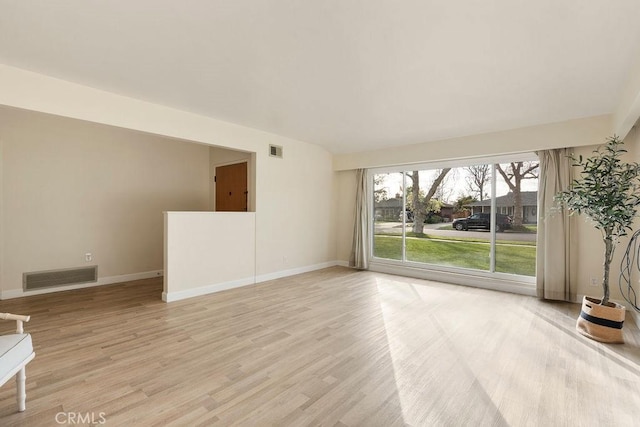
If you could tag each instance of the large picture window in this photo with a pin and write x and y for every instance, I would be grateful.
(478, 217)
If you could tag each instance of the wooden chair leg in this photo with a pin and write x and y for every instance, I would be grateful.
(20, 385)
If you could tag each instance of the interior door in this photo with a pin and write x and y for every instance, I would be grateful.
(231, 188)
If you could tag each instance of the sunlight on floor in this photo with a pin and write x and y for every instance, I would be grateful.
(484, 357)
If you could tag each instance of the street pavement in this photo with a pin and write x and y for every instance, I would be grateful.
(433, 229)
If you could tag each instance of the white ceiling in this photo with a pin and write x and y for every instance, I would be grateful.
(350, 75)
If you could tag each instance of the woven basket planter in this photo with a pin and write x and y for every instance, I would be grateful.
(601, 322)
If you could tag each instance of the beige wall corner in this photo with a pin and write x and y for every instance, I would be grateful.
(627, 111)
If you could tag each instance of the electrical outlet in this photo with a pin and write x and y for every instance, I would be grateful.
(285, 259)
(88, 257)
(594, 281)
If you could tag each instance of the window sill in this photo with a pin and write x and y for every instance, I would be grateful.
(503, 282)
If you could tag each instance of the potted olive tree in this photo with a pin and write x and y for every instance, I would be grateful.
(607, 192)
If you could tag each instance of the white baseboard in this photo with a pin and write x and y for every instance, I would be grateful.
(17, 293)
(207, 289)
(292, 272)
(130, 277)
(12, 293)
(210, 289)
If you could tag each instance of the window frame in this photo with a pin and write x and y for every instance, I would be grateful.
(383, 264)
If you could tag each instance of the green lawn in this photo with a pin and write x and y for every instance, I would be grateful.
(513, 259)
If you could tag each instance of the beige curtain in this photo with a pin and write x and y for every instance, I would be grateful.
(359, 249)
(555, 266)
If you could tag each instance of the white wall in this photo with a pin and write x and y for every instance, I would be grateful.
(627, 111)
(633, 141)
(295, 212)
(71, 187)
(345, 202)
(295, 221)
(207, 252)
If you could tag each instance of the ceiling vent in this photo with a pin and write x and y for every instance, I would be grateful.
(275, 151)
(53, 278)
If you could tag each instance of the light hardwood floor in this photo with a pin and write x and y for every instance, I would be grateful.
(332, 347)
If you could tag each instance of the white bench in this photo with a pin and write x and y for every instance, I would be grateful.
(16, 350)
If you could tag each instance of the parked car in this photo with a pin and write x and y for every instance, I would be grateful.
(482, 221)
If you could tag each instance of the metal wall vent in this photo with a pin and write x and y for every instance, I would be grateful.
(275, 151)
(52, 278)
